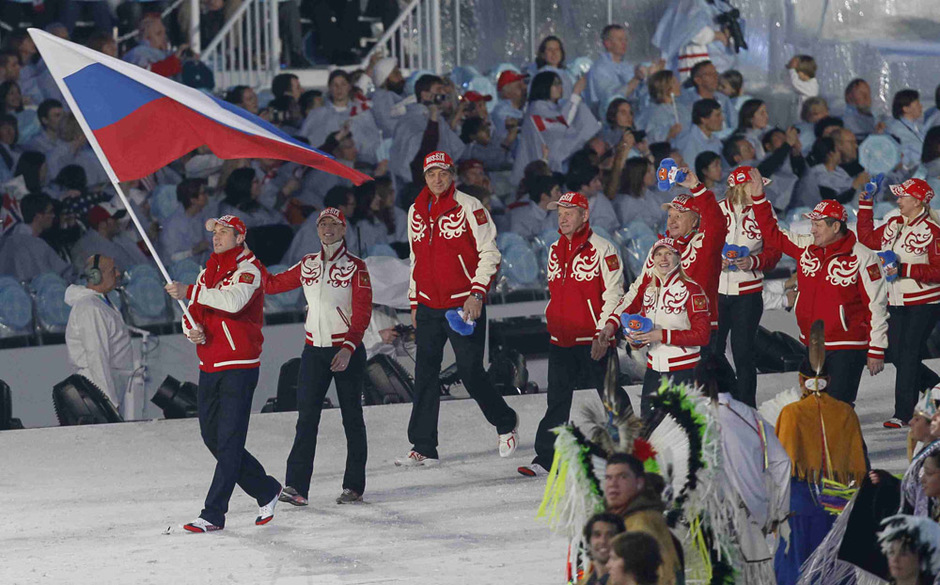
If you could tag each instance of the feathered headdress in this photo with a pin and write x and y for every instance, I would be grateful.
(921, 535)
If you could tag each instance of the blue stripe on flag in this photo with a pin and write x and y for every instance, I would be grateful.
(105, 96)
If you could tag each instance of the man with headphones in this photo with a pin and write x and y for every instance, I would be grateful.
(97, 339)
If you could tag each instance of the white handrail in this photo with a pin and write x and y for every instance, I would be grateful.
(246, 51)
(414, 38)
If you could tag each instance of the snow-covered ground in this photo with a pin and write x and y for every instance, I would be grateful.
(91, 504)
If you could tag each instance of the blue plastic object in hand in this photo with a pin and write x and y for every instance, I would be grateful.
(668, 174)
(455, 320)
(636, 323)
(732, 253)
(873, 186)
(889, 260)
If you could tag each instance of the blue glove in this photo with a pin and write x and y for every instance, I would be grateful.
(455, 320)
(668, 174)
(873, 187)
(889, 260)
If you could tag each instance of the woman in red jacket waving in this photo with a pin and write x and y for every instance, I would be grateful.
(913, 287)
(678, 309)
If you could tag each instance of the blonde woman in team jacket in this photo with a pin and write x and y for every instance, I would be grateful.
(678, 308)
(839, 281)
(914, 298)
(740, 302)
(585, 281)
(338, 292)
(453, 262)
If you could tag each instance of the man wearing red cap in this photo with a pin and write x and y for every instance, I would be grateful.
(339, 306)
(914, 297)
(227, 302)
(453, 262)
(507, 115)
(585, 282)
(839, 281)
(104, 237)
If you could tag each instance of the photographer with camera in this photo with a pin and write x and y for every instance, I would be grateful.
(692, 31)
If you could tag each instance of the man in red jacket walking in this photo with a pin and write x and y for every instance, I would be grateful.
(585, 281)
(453, 262)
(226, 302)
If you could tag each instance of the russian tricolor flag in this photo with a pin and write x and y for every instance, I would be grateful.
(142, 121)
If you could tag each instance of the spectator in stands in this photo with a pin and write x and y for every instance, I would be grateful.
(630, 183)
(507, 115)
(753, 123)
(618, 118)
(285, 114)
(731, 83)
(705, 86)
(244, 97)
(858, 116)
(344, 107)
(104, 236)
(307, 240)
(708, 167)
(389, 93)
(530, 215)
(553, 129)
(49, 113)
(34, 170)
(96, 336)
(476, 135)
(929, 168)
(394, 217)
(422, 130)
(73, 149)
(707, 121)
(316, 183)
(826, 180)
(661, 119)
(9, 137)
(24, 254)
(11, 102)
(153, 48)
(847, 145)
(550, 56)
(104, 42)
(635, 559)
(785, 164)
(627, 494)
(814, 109)
(599, 531)
(802, 71)
(907, 126)
(366, 222)
(71, 10)
(183, 234)
(472, 172)
(286, 84)
(242, 190)
(279, 182)
(309, 101)
(611, 74)
(585, 178)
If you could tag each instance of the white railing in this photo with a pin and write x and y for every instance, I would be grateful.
(247, 50)
(414, 39)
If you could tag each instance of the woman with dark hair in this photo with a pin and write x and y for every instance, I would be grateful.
(553, 128)
(708, 167)
(636, 200)
(34, 170)
(551, 57)
(243, 97)
(660, 119)
(618, 119)
(907, 125)
(753, 123)
(929, 169)
(826, 179)
(912, 547)
(268, 236)
(11, 102)
(367, 227)
(635, 559)
(343, 106)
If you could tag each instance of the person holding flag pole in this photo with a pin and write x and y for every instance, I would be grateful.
(116, 104)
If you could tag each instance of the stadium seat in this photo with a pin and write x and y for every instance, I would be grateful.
(462, 75)
(16, 309)
(507, 239)
(163, 202)
(520, 267)
(286, 302)
(185, 271)
(52, 313)
(145, 296)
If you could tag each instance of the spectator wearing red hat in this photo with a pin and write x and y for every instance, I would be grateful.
(339, 306)
(226, 303)
(507, 114)
(453, 262)
(740, 287)
(678, 308)
(585, 283)
(914, 298)
(840, 281)
(104, 236)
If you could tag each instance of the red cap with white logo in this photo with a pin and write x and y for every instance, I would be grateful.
(438, 159)
(570, 199)
(827, 208)
(665, 242)
(332, 212)
(231, 221)
(681, 203)
(917, 188)
(742, 175)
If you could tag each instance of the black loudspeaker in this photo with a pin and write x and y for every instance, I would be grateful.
(527, 335)
(7, 422)
(78, 401)
(509, 374)
(386, 382)
(177, 400)
(777, 352)
(287, 382)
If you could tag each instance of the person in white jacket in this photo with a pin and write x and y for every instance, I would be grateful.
(97, 339)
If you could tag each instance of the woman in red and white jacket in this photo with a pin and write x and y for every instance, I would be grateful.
(740, 286)
(914, 298)
(678, 308)
(339, 307)
(839, 281)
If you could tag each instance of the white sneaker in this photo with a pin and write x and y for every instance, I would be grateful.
(266, 512)
(532, 470)
(201, 525)
(415, 459)
(508, 443)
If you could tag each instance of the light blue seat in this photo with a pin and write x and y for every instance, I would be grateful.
(185, 271)
(636, 252)
(145, 295)
(520, 267)
(507, 239)
(381, 250)
(16, 309)
(286, 301)
(462, 75)
(52, 312)
(163, 202)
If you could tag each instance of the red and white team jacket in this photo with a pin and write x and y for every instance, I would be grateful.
(228, 303)
(743, 231)
(917, 245)
(841, 284)
(585, 282)
(453, 249)
(338, 292)
(679, 307)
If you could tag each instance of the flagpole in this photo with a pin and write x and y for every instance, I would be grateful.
(80, 118)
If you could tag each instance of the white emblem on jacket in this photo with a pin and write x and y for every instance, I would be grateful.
(843, 272)
(918, 239)
(750, 228)
(453, 225)
(586, 267)
(554, 269)
(809, 264)
(674, 299)
(342, 272)
(311, 269)
(417, 228)
(649, 299)
(691, 250)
